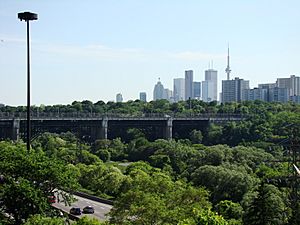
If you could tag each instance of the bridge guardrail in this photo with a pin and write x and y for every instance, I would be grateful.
(54, 115)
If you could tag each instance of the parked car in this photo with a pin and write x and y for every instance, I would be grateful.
(51, 199)
(88, 209)
(75, 211)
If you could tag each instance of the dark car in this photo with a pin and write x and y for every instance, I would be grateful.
(75, 211)
(88, 209)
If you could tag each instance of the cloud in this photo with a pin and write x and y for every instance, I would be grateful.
(101, 52)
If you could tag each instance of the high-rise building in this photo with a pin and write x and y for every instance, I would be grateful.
(207, 90)
(212, 75)
(119, 97)
(232, 90)
(189, 84)
(197, 90)
(292, 83)
(267, 86)
(179, 89)
(143, 96)
(158, 92)
(168, 94)
(278, 94)
(256, 94)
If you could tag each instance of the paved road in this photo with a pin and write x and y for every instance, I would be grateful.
(100, 208)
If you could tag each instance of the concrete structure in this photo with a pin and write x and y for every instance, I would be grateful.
(179, 89)
(292, 84)
(267, 86)
(255, 94)
(158, 92)
(168, 95)
(143, 96)
(212, 76)
(197, 90)
(279, 94)
(91, 127)
(295, 98)
(232, 90)
(208, 90)
(119, 97)
(189, 77)
(228, 70)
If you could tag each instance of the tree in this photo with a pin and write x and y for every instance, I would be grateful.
(204, 217)
(267, 207)
(40, 220)
(196, 136)
(151, 197)
(29, 178)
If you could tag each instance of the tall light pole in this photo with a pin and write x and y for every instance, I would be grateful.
(27, 16)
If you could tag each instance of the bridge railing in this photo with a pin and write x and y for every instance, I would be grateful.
(53, 115)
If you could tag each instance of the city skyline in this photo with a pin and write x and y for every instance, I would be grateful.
(93, 50)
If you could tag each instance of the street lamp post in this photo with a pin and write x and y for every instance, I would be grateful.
(27, 16)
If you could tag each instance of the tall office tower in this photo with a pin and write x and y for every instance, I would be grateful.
(212, 75)
(207, 90)
(168, 94)
(228, 70)
(278, 94)
(189, 84)
(292, 83)
(197, 90)
(119, 97)
(232, 90)
(179, 89)
(143, 96)
(158, 92)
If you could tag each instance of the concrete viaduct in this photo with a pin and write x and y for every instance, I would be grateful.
(105, 126)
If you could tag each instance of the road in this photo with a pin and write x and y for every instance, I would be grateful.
(101, 209)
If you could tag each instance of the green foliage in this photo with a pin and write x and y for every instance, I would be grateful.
(267, 207)
(229, 210)
(196, 136)
(151, 197)
(88, 221)
(29, 178)
(40, 220)
(204, 217)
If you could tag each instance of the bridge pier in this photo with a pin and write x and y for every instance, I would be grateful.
(104, 128)
(16, 129)
(169, 129)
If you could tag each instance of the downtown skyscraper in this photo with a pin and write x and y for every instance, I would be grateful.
(189, 77)
(210, 86)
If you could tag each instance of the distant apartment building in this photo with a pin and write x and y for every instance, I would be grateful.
(278, 94)
(208, 91)
(267, 86)
(256, 94)
(158, 92)
(212, 75)
(197, 90)
(143, 96)
(119, 97)
(232, 90)
(179, 89)
(292, 84)
(189, 77)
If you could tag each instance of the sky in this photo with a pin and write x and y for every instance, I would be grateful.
(94, 49)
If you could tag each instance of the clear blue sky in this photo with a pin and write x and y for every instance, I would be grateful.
(95, 49)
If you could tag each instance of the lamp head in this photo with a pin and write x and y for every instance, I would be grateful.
(27, 16)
